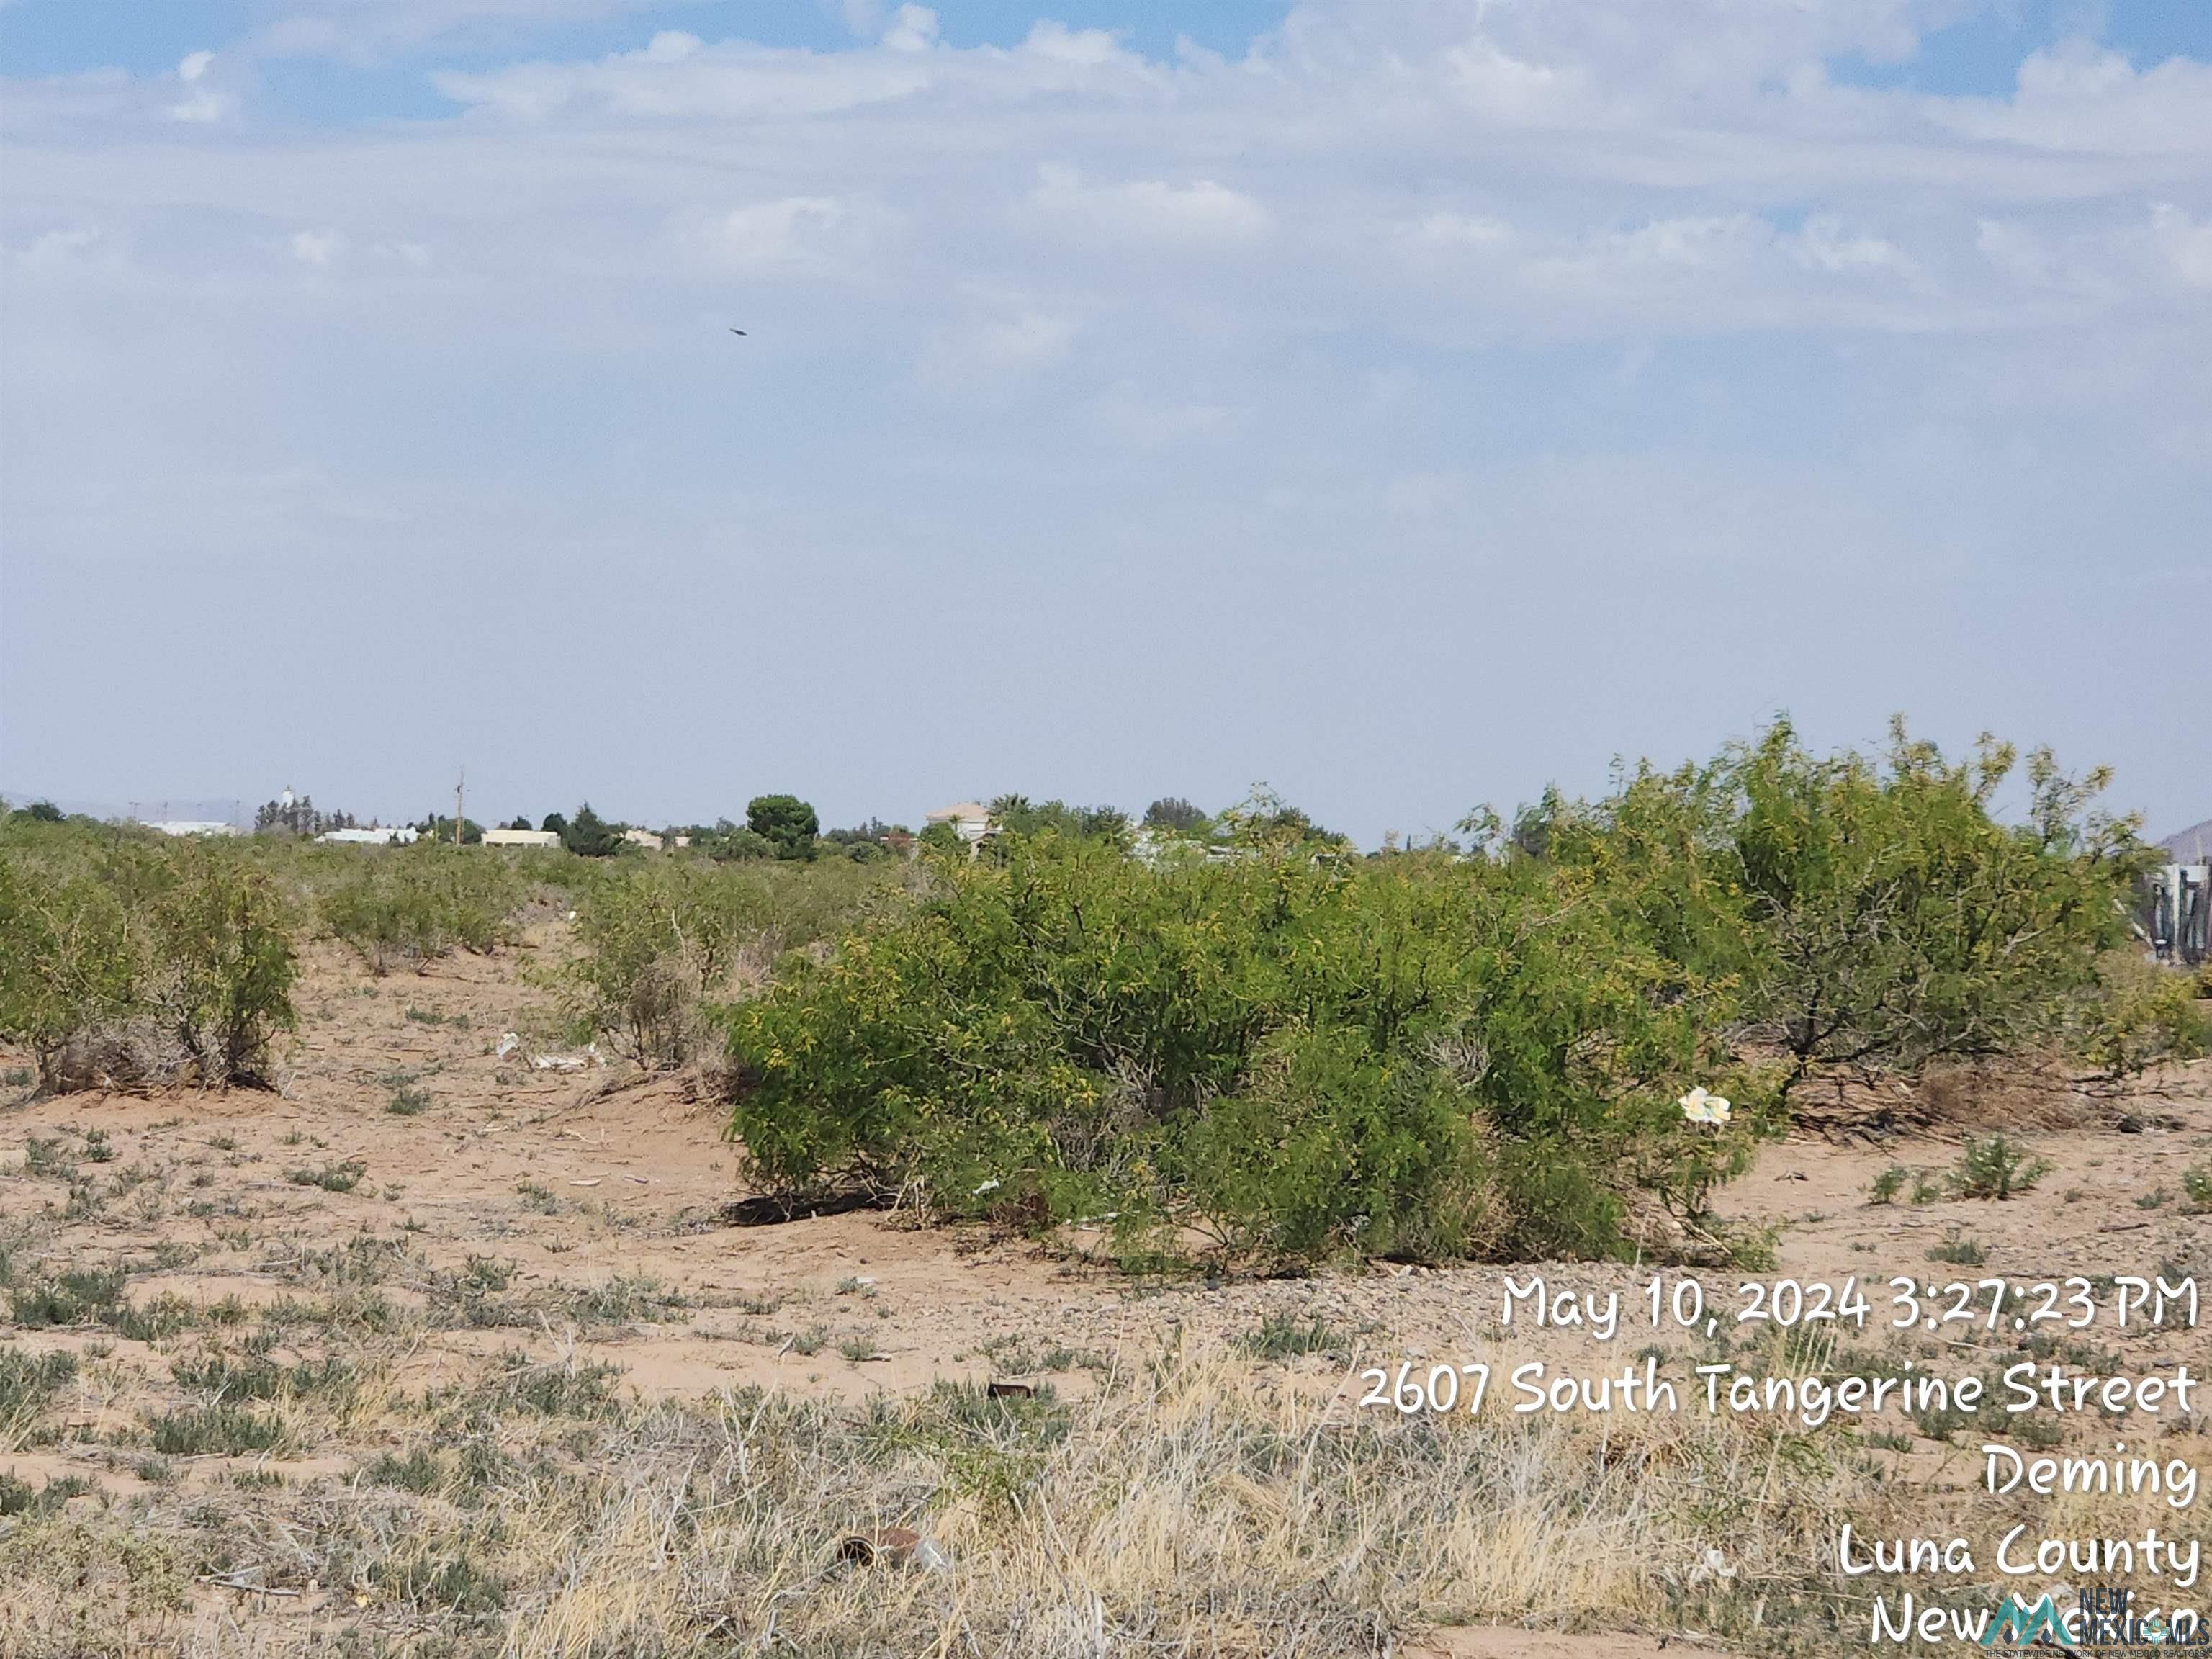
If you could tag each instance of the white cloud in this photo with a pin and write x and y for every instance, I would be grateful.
(1424, 494)
(1825, 243)
(1084, 48)
(1503, 86)
(2080, 99)
(1459, 230)
(2186, 244)
(677, 77)
(791, 235)
(317, 248)
(1015, 343)
(56, 250)
(912, 29)
(201, 103)
(1130, 418)
(1148, 210)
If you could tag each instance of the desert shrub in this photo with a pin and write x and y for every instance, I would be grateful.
(660, 939)
(1873, 913)
(69, 967)
(223, 963)
(133, 963)
(1997, 1168)
(418, 904)
(2142, 1014)
(2197, 1185)
(1420, 1057)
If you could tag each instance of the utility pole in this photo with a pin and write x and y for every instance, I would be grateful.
(457, 789)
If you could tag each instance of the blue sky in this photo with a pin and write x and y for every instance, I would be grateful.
(1406, 406)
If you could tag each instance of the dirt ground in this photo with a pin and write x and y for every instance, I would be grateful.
(570, 1205)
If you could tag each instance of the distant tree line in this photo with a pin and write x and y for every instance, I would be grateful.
(297, 816)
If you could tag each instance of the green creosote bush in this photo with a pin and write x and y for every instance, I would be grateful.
(1874, 913)
(129, 961)
(1302, 1056)
(2145, 1014)
(414, 904)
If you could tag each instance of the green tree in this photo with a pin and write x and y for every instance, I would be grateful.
(1174, 814)
(440, 829)
(786, 823)
(591, 836)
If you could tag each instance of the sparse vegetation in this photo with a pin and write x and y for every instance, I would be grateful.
(414, 904)
(1959, 1251)
(2196, 1184)
(332, 1177)
(661, 940)
(2143, 1015)
(1996, 1167)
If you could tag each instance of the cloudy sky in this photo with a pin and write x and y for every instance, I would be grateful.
(1406, 406)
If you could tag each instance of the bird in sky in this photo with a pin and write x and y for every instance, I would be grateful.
(737, 331)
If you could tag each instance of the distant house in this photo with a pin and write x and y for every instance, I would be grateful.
(546, 838)
(195, 826)
(398, 835)
(969, 820)
(644, 838)
(2192, 846)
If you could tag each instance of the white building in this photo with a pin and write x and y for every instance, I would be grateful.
(644, 838)
(195, 826)
(546, 838)
(399, 834)
(969, 820)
